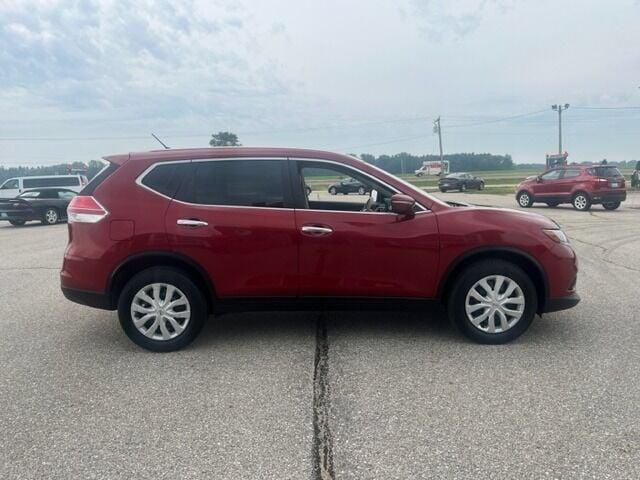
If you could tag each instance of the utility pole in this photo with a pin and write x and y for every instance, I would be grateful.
(438, 130)
(560, 108)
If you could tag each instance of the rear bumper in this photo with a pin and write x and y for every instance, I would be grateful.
(90, 299)
(609, 197)
(562, 303)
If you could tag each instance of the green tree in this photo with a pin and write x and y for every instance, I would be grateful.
(224, 139)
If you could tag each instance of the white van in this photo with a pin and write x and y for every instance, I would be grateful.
(16, 185)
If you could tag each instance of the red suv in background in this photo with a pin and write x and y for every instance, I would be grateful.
(580, 185)
(169, 237)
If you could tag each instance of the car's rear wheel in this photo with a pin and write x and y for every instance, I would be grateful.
(611, 205)
(443, 190)
(493, 301)
(161, 309)
(333, 191)
(463, 187)
(481, 186)
(50, 216)
(581, 202)
(17, 223)
(525, 200)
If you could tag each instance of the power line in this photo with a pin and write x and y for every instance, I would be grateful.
(502, 119)
(607, 108)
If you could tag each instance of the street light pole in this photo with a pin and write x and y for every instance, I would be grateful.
(559, 108)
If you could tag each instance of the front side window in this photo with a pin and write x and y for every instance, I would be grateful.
(321, 176)
(11, 184)
(551, 175)
(243, 183)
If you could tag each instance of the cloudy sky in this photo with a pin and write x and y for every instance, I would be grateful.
(79, 80)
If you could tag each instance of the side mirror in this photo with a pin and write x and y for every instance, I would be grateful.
(402, 204)
(539, 179)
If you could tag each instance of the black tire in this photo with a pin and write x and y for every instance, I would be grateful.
(50, 216)
(333, 191)
(443, 190)
(361, 191)
(17, 223)
(525, 200)
(611, 205)
(456, 305)
(581, 202)
(463, 187)
(184, 284)
(481, 186)
(552, 204)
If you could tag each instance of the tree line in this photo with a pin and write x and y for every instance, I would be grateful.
(92, 167)
(458, 162)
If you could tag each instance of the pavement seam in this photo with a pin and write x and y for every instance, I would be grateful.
(322, 439)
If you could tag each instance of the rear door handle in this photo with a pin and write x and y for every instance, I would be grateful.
(190, 222)
(316, 230)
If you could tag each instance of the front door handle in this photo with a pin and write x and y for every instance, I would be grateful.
(316, 230)
(190, 222)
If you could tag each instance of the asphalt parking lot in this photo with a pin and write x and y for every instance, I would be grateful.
(398, 395)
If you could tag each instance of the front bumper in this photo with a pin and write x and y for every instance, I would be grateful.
(562, 303)
(19, 216)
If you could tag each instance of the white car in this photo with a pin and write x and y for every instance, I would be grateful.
(12, 187)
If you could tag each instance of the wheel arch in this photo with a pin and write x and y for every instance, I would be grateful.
(141, 261)
(518, 257)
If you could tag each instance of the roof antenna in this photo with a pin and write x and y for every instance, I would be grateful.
(159, 141)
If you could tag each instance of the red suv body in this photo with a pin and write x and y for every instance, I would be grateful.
(168, 237)
(580, 185)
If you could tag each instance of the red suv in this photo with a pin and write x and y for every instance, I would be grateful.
(169, 237)
(580, 185)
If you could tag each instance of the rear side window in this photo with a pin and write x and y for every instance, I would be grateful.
(166, 178)
(245, 183)
(571, 173)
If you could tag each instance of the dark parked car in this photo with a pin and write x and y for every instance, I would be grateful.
(49, 205)
(579, 185)
(349, 185)
(169, 237)
(460, 181)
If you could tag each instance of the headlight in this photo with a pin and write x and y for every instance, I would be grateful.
(556, 235)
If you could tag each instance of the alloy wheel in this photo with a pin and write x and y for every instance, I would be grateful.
(51, 216)
(160, 311)
(494, 304)
(580, 202)
(524, 199)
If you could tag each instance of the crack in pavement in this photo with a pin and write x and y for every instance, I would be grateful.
(322, 439)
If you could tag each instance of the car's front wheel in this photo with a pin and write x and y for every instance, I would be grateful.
(361, 191)
(161, 309)
(481, 186)
(493, 301)
(17, 223)
(463, 187)
(333, 191)
(611, 205)
(525, 200)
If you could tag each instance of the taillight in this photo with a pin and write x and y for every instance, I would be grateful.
(85, 209)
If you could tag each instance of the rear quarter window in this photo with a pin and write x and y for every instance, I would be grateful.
(166, 178)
